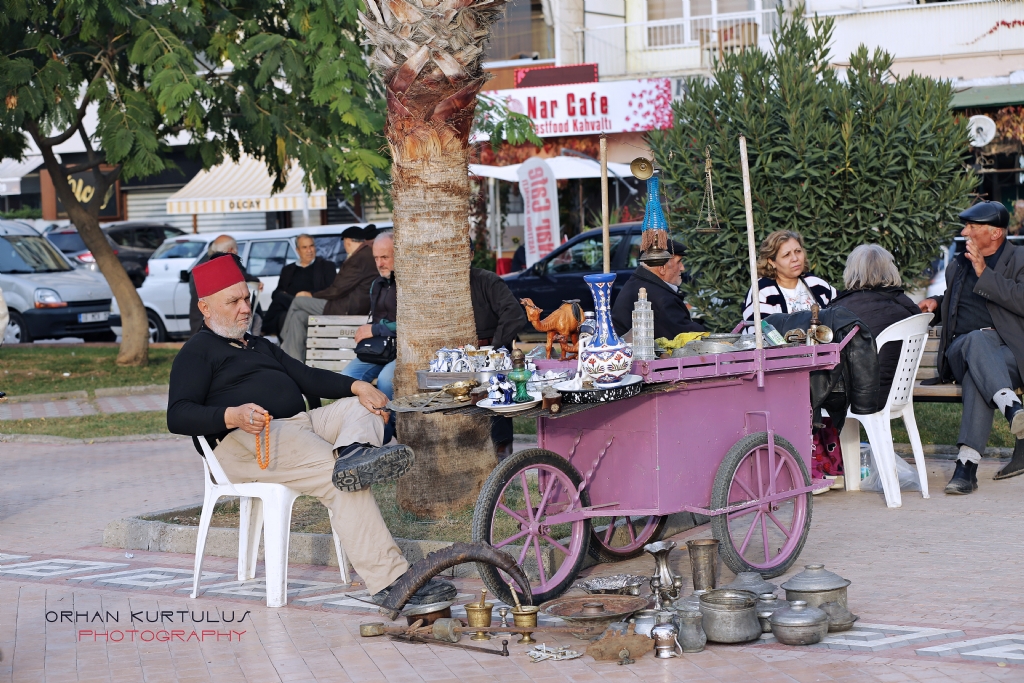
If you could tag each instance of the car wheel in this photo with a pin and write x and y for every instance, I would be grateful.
(157, 332)
(17, 331)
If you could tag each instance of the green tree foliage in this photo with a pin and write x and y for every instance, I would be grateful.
(282, 80)
(869, 158)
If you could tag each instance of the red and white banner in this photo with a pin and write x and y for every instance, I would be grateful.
(593, 108)
(540, 201)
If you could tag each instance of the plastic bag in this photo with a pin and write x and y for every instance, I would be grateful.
(906, 473)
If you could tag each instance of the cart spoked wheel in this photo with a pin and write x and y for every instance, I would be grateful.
(621, 538)
(767, 535)
(511, 514)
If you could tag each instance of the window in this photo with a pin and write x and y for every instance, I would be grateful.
(29, 254)
(170, 232)
(586, 256)
(330, 249)
(266, 259)
(121, 237)
(149, 238)
(68, 242)
(633, 258)
(180, 249)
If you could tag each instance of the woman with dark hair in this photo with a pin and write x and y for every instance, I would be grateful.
(874, 293)
(785, 286)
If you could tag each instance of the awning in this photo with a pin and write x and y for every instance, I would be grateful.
(244, 187)
(989, 96)
(564, 168)
(12, 171)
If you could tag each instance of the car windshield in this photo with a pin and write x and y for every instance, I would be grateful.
(29, 254)
(180, 249)
(68, 242)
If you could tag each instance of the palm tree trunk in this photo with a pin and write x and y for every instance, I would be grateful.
(429, 54)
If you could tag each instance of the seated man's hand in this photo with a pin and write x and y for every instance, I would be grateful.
(364, 332)
(928, 305)
(371, 398)
(303, 294)
(248, 417)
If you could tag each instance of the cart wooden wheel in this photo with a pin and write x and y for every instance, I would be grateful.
(511, 512)
(768, 535)
(621, 538)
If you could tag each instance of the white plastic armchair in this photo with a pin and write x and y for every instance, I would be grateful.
(262, 508)
(913, 332)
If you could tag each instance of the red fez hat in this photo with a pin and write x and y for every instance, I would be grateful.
(215, 275)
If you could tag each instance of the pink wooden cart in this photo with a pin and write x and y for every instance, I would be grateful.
(726, 436)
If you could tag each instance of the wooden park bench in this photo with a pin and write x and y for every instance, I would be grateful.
(933, 393)
(330, 340)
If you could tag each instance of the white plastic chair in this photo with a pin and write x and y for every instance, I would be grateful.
(913, 332)
(261, 506)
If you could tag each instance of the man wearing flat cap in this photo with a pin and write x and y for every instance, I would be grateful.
(228, 386)
(671, 316)
(349, 294)
(982, 344)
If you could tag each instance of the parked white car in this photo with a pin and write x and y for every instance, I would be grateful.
(47, 297)
(264, 253)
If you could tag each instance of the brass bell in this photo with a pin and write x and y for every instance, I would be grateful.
(641, 168)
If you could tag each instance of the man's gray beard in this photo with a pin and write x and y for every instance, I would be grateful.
(236, 331)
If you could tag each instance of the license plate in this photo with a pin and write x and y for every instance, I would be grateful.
(94, 317)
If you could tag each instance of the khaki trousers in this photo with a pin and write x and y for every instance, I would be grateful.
(302, 458)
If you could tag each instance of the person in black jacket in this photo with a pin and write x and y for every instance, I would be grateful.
(309, 274)
(874, 294)
(498, 315)
(230, 386)
(671, 316)
(982, 342)
(383, 317)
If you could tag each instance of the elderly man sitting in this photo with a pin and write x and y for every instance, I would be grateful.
(982, 344)
(228, 385)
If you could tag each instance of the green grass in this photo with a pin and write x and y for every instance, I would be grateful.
(40, 369)
(524, 425)
(939, 423)
(91, 426)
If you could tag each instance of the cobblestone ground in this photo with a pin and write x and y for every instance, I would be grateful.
(932, 582)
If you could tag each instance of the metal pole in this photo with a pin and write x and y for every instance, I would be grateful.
(752, 254)
(604, 205)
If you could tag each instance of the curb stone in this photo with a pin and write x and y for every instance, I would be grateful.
(68, 441)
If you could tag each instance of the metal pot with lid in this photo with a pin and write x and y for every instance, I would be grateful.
(816, 586)
(768, 604)
(753, 582)
(799, 624)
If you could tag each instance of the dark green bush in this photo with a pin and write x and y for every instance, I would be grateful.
(865, 158)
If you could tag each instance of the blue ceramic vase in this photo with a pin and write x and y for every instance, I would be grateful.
(607, 359)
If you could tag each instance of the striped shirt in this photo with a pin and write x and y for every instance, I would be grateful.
(773, 300)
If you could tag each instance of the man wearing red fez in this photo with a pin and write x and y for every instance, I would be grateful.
(225, 384)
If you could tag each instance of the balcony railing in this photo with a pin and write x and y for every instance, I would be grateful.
(672, 44)
(910, 32)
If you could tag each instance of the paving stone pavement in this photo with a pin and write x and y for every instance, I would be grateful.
(937, 568)
(80, 406)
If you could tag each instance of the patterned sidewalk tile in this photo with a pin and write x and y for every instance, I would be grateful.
(150, 577)
(256, 589)
(10, 558)
(30, 411)
(132, 404)
(1007, 648)
(49, 569)
(877, 637)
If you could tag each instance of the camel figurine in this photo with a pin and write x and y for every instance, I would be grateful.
(562, 326)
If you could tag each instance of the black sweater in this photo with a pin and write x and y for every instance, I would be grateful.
(212, 373)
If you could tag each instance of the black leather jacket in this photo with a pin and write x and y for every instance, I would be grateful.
(851, 385)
